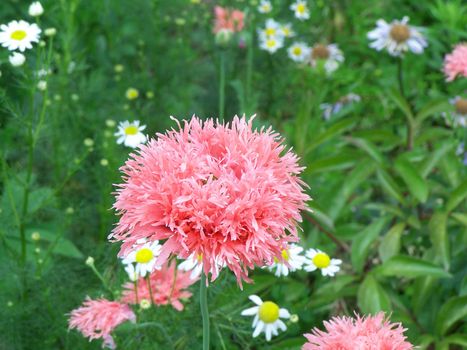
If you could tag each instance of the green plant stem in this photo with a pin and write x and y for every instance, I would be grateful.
(148, 281)
(222, 85)
(400, 76)
(101, 278)
(203, 301)
(410, 124)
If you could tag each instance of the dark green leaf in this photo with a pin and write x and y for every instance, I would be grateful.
(391, 243)
(410, 267)
(371, 297)
(390, 185)
(412, 178)
(439, 237)
(457, 196)
(452, 311)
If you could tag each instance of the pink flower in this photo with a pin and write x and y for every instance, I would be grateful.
(97, 319)
(227, 19)
(367, 333)
(224, 192)
(455, 63)
(167, 286)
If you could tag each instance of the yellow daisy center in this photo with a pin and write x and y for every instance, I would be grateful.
(321, 260)
(297, 51)
(132, 94)
(271, 43)
(301, 8)
(268, 312)
(144, 255)
(131, 130)
(270, 31)
(400, 33)
(461, 106)
(18, 35)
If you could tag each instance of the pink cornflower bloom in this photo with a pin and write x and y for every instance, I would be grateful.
(98, 318)
(455, 63)
(167, 286)
(227, 193)
(227, 19)
(362, 333)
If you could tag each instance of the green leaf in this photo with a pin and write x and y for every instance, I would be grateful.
(402, 103)
(460, 217)
(334, 130)
(433, 158)
(368, 147)
(321, 216)
(439, 237)
(452, 311)
(424, 287)
(391, 243)
(390, 185)
(457, 339)
(430, 109)
(39, 198)
(362, 243)
(414, 181)
(371, 297)
(410, 267)
(457, 196)
(339, 162)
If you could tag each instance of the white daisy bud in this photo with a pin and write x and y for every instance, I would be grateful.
(145, 304)
(90, 261)
(223, 37)
(88, 142)
(17, 59)
(42, 85)
(35, 9)
(35, 236)
(104, 162)
(50, 32)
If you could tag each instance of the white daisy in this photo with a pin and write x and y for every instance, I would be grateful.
(459, 117)
(286, 30)
(265, 6)
(397, 37)
(316, 259)
(130, 133)
(267, 317)
(17, 59)
(142, 259)
(193, 263)
(300, 9)
(271, 44)
(328, 55)
(292, 260)
(272, 29)
(35, 9)
(299, 52)
(19, 35)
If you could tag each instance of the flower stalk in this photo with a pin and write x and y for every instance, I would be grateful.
(203, 301)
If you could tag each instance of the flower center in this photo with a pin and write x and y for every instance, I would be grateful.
(144, 255)
(321, 260)
(285, 256)
(271, 43)
(131, 130)
(297, 51)
(199, 258)
(301, 8)
(400, 33)
(270, 31)
(268, 312)
(18, 35)
(461, 106)
(320, 51)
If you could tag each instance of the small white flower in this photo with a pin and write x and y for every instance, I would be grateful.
(299, 52)
(300, 9)
(272, 29)
(316, 259)
(193, 263)
(459, 116)
(267, 317)
(330, 55)
(42, 85)
(271, 44)
(35, 9)
(130, 134)
(265, 6)
(17, 59)
(397, 37)
(142, 259)
(292, 260)
(19, 35)
(286, 30)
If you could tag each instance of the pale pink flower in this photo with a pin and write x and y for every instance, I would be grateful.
(455, 63)
(228, 19)
(224, 192)
(167, 287)
(362, 333)
(98, 318)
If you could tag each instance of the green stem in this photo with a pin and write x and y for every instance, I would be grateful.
(101, 278)
(222, 86)
(400, 76)
(410, 124)
(148, 281)
(203, 301)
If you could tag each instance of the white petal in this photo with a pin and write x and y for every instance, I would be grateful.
(256, 299)
(251, 311)
(284, 313)
(258, 329)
